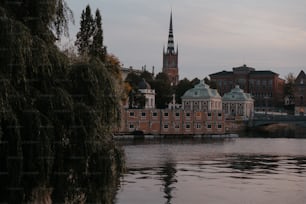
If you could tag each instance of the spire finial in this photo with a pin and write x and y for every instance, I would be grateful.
(170, 48)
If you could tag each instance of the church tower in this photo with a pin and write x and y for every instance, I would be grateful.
(170, 57)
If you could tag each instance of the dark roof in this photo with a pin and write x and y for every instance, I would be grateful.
(243, 68)
(221, 73)
(301, 75)
(143, 84)
(300, 78)
(264, 72)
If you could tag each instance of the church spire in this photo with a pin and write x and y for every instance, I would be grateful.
(170, 57)
(170, 48)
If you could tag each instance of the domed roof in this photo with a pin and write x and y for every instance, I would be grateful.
(143, 84)
(201, 91)
(237, 94)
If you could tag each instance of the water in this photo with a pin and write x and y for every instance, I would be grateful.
(231, 171)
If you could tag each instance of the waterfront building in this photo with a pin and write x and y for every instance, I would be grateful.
(266, 87)
(200, 114)
(148, 93)
(170, 57)
(237, 104)
(300, 94)
(202, 98)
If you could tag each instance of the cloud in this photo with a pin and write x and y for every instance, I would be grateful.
(212, 35)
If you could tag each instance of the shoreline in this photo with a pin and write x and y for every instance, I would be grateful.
(149, 137)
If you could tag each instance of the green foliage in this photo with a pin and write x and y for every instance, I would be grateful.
(40, 15)
(181, 88)
(53, 117)
(90, 37)
(97, 48)
(147, 76)
(212, 84)
(133, 79)
(289, 85)
(84, 36)
(163, 90)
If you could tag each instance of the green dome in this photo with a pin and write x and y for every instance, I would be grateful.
(237, 94)
(201, 91)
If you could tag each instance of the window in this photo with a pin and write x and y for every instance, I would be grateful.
(209, 126)
(143, 114)
(209, 114)
(187, 114)
(177, 114)
(166, 126)
(154, 114)
(132, 114)
(198, 126)
(187, 126)
(131, 126)
(166, 114)
(220, 114)
(177, 126)
(219, 126)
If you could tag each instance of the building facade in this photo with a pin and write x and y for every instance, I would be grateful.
(200, 114)
(202, 98)
(300, 94)
(172, 122)
(266, 87)
(170, 57)
(148, 93)
(238, 105)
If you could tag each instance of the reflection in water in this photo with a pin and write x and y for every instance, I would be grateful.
(253, 163)
(242, 171)
(168, 176)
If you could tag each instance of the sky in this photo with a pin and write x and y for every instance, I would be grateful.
(212, 35)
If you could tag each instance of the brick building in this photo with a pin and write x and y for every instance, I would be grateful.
(170, 58)
(266, 87)
(300, 94)
(172, 122)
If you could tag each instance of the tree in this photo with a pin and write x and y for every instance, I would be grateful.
(147, 76)
(52, 111)
(133, 79)
(163, 90)
(97, 47)
(181, 88)
(85, 35)
(289, 85)
(212, 84)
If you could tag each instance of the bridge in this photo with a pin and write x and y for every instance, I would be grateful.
(262, 120)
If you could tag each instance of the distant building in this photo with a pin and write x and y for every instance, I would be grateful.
(200, 114)
(300, 94)
(238, 104)
(170, 58)
(266, 87)
(202, 98)
(149, 94)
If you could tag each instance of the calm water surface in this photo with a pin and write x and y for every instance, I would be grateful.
(231, 171)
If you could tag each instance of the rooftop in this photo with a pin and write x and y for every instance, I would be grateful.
(237, 94)
(201, 91)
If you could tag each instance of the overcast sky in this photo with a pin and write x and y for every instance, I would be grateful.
(212, 35)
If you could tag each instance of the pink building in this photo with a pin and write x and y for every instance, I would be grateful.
(200, 114)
